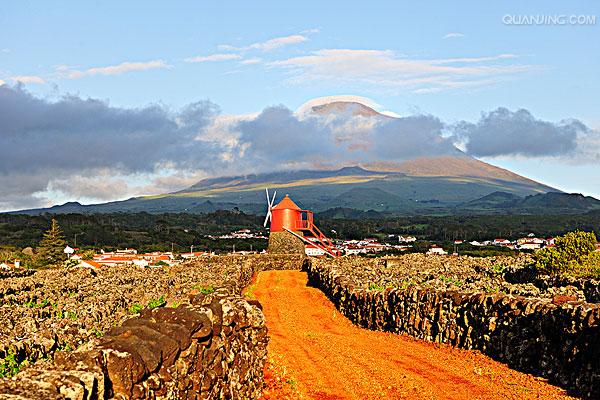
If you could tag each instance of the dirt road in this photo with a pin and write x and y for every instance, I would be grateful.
(316, 353)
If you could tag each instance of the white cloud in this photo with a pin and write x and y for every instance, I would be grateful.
(267, 45)
(475, 59)
(112, 69)
(213, 58)
(28, 79)
(453, 35)
(2, 82)
(383, 69)
(251, 61)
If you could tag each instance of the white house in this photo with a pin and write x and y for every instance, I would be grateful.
(530, 245)
(407, 239)
(436, 250)
(312, 250)
(141, 263)
(89, 264)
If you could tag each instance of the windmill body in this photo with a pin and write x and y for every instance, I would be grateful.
(290, 223)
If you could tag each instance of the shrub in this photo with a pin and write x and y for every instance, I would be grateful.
(156, 303)
(9, 365)
(374, 286)
(205, 289)
(572, 253)
(136, 308)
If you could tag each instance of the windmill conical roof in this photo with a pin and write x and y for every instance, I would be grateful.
(286, 204)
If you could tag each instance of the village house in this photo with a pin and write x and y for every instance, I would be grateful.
(7, 265)
(437, 250)
(89, 264)
(407, 239)
(314, 251)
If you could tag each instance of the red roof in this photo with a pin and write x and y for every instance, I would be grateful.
(92, 263)
(286, 204)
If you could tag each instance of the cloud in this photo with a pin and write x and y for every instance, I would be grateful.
(453, 35)
(74, 148)
(2, 82)
(279, 139)
(46, 141)
(251, 61)
(268, 45)
(213, 58)
(385, 70)
(122, 68)
(102, 185)
(518, 133)
(27, 79)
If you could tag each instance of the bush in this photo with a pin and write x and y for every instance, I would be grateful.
(572, 253)
(9, 365)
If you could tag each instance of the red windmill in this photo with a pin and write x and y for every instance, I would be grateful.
(287, 216)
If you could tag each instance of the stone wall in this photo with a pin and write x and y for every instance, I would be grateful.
(214, 347)
(557, 341)
(285, 243)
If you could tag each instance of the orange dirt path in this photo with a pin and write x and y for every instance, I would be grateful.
(316, 353)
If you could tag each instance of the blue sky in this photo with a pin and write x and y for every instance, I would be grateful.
(453, 60)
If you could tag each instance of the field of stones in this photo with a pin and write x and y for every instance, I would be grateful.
(500, 274)
(62, 309)
(65, 312)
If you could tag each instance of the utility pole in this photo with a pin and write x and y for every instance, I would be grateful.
(75, 238)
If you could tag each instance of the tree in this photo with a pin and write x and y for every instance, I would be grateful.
(52, 246)
(572, 253)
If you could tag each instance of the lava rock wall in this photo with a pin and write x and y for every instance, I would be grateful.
(213, 348)
(557, 341)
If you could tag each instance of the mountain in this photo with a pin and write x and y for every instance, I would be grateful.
(446, 181)
(541, 203)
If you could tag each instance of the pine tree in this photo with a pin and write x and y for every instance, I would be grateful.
(52, 246)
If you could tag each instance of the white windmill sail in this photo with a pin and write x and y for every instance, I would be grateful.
(270, 203)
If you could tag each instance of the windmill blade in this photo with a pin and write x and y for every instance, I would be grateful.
(269, 205)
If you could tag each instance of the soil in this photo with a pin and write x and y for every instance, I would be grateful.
(316, 353)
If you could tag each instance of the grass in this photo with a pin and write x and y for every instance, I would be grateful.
(451, 280)
(72, 315)
(204, 289)
(374, 286)
(136, 308)
(97, 332)
(65, 347)
(154, 303)
(33, 304)
(249, 292)
(498, 268)
(9, 365)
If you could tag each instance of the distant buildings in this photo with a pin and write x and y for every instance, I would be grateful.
(437, 250)
(7, 265)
